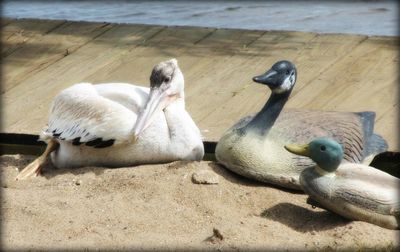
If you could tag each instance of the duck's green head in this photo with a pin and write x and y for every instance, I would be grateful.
(326, 152)
(280, 78)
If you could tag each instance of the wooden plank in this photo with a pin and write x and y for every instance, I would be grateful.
(227, 41)
(5, 21)
(208, 75)
(387, 124)
(30, 26)
(15, 34)
(135, 65)
(208, 69)
(42, 51)
(322, 52)
(218, 65)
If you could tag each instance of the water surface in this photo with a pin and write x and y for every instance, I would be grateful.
(356, 17)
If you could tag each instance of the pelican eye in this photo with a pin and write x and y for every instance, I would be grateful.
(323, 148)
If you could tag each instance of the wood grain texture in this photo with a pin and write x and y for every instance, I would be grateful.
(42, 51)
(15, 34)
(336, 72)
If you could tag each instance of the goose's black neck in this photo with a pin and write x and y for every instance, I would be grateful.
(265, 119)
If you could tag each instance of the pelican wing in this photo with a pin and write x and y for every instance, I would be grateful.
(94, 115)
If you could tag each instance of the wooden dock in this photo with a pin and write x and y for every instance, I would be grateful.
(336, 72)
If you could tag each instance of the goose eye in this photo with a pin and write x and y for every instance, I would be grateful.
(167, 79)
(287, 72)
(323, 148)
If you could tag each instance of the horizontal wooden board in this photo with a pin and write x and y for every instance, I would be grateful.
(335, 71)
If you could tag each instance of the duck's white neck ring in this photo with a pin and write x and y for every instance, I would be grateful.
(322, 172)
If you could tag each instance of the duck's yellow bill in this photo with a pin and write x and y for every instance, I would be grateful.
(298, 149)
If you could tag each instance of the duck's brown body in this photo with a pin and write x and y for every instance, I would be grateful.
(357, 192)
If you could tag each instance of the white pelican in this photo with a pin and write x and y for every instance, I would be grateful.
(119, 124)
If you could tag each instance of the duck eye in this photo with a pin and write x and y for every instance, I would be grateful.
(167, 79)
(323, 148)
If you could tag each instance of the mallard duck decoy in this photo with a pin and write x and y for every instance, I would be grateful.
(119, 124)
(253, 147)
(355, 191)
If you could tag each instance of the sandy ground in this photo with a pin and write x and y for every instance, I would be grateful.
(160, 207)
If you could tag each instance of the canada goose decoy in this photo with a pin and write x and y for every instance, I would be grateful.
(253, 147)
(355, 191)
(119, 124)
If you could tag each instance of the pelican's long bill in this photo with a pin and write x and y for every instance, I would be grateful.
(159, 99)
(302, 150)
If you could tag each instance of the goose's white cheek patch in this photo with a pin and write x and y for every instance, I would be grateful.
(292, 79)
(287, 85)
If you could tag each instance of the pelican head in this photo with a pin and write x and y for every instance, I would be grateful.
(166, 85)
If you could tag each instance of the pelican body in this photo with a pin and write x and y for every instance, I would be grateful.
(120, 124)
(355, 191)
(253, 147)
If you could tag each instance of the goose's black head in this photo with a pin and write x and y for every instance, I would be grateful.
(280, 78)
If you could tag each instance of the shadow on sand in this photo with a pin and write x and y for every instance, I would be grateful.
(238, 179)
(302, 219)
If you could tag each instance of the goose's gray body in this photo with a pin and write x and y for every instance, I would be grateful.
(254, 147)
